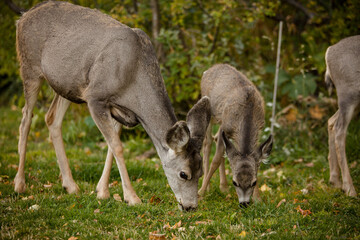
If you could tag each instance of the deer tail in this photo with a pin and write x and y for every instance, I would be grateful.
(328, 81)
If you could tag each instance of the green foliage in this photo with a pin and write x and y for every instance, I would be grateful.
(196, 34)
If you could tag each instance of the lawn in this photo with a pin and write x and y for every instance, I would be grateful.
(297, 201)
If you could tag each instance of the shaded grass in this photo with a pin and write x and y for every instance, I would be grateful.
(298, 162)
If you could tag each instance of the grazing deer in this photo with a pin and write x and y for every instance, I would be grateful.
(343, 73)
(238, 107)
(89, 57)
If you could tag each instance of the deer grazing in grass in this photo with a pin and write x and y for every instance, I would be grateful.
(89, 57)
(343, 73)
(238, 107)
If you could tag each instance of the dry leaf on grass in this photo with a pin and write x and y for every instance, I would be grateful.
(117, 197)
(242, 234)
(97, 210)
(34, 207)
(73, 238)
(316, 112)
(157, 236)
(303, 212)
(265, 188)
(281, 202)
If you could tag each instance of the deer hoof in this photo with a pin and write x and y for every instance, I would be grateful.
(335, 182)
(350, 191)
(103, 194)
(224, 188)
(132, 200)
(71, 188)
(20, 186)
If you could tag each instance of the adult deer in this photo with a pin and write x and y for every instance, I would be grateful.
(88, 57)
(238, 107)
(343, 73)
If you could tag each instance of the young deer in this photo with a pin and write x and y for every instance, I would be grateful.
(343, 73)
(238, 107)
(88, 57)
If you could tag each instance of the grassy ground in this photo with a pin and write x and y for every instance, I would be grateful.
(297, 199)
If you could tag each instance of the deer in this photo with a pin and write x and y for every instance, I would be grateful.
(343, 74)
(238, 107)
(88, 57)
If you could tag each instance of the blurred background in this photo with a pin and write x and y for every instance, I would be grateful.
(192, 35)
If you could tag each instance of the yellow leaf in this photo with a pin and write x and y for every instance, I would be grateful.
(265, 188)
(117, 197)
(317, 113)
(73, 238)
(242, 234)
(37, 134)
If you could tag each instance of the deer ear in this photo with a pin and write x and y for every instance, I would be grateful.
(198, 120)
(265, 148)
(229, 146)
(178, 136)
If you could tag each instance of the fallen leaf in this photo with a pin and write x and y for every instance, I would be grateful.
(87, 151)
(97, 210)
(117, 197)
(47, 185)
(310, 164)
(281, 202)
(114, 183)
(176, 225)
(300, 160)
(353, 164)
(154, 199)
(242, 234)
(317, 112)
(157, 236)
(304, 191)
(34, 207)
(304, 213)
(203, 222)
(31, 197)
(73, 238)
(13, 166)
(167, 226)
(139, 180)
(265, 188)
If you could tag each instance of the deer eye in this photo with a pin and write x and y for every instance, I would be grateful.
(183, 175)
(254, 184)
(235, 184)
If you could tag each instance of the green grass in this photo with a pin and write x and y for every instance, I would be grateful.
(298, 161)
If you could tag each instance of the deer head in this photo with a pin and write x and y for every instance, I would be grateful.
(183, 166)
(245, 167)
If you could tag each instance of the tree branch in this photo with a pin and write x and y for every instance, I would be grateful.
(18, 10)
(298, 5)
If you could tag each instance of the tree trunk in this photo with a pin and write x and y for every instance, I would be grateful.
(156, 27)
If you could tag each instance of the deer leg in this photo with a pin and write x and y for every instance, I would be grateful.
(102, 117)
(218, 158)
(206, 151)
(341, 125)
(102, 187)
(54, 118)
(333, 162)
(224, 187)
(31, 90)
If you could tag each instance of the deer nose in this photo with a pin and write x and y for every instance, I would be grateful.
(244, 204)
(187, 208)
